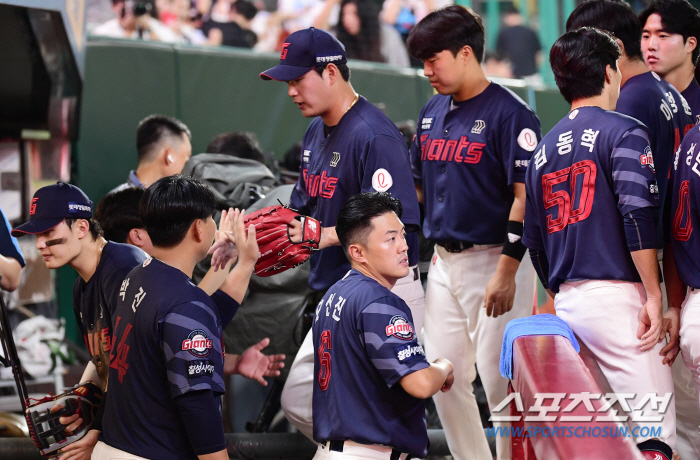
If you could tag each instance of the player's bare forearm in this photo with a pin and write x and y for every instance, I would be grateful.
(419, 193)
(11, 271)
(675, 289)
(214, 279)
(426, 382)
(517, 210)
(328, 238)
(236, 283)
(648, 268)
(220, 455)
(651, 323)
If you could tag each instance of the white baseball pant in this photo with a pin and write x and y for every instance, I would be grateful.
(604, 315)
(356, 451)
(104, 451)
(297, 394)
(457, 328)
(690, 337)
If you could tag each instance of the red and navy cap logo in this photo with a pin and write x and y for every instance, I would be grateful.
(32, 208)
(283, 56)
(197, 343)
(399, 327)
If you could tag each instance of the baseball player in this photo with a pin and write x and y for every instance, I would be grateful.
(472, 146)
(591, 190)
(166, 363)
(670, 34)
(349, 147)
(684, 275)
(657, 104)
(370, 372)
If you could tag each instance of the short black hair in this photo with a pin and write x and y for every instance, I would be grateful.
(579, 59)
(170, 206)
(614, 16)
(240, 144)
(450, 28)
(245, 8)
(343, 68)
(155, 128)
(354, 221)
(95, 229)
(677, 17)
(118, 213)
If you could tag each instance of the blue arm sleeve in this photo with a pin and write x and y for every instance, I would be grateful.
(640, 229)
(202, 420)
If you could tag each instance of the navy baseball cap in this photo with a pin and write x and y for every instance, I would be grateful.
(302, 51)
(53, 204)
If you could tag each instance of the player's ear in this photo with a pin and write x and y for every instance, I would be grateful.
(608, 74)
(356, 253)
(81, 228)
(333, 73)
(135, 237)
(465, 52)
(198, 230)
(690, 44)
(168, 156)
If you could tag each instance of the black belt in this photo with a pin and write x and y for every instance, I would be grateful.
(456, 246)
(337, 446)
(416, 273)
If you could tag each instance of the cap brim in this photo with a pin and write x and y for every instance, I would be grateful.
(284, 72)
(34, 227)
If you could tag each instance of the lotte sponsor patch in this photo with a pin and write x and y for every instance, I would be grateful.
(197, 343)
(399, 327)
(200, 368)
(527, 140)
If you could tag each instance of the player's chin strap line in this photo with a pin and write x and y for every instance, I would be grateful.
(513, 245)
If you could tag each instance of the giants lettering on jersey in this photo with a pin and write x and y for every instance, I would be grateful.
(197, 343)
(459, 151)
(319, 184)
(399, 327)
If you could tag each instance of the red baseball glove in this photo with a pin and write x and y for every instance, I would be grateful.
(277, 250)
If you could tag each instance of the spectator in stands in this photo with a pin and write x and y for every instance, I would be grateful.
(241, 144)
(182, 19)
(236, 30)
(404, 14)
(134, 20)
(497, 65)
(163, 146)
(520, 44)
(11, 260)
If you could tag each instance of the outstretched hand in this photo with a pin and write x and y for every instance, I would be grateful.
(255, 365)
(224, 248)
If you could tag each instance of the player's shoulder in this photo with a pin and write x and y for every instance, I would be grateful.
(506, 98)
(362, 289)
(123, 255)
(371, 121)
(168, 285)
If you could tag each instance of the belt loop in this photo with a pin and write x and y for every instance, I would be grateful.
(416, 273)
(395, 454)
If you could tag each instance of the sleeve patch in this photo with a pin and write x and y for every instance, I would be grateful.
(527, 140)
(399, 327)
(200, 368)
(408, 352)
(197, 343)
(382, 180)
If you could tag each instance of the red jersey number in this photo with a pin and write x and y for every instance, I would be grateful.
(682, 232)
(324, 357)
(582, 171)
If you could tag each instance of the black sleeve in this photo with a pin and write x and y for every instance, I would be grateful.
(226, 305)
(97, 421)
(640, 229)
(202, 420)
(541, 264)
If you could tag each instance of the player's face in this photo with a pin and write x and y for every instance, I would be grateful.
(663, 51)
(59, 245)
(309, 93)
(387, 251)
(445, 71)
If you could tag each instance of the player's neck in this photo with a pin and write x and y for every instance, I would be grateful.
(681, 76)
(602, 101)
(89, 258)
(148, 173)
(369, 273)
(630, 68)
(345, 98)
(474, 83)
(183, 257)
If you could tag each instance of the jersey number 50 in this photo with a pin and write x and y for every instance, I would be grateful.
(565, 200)
(324, 358)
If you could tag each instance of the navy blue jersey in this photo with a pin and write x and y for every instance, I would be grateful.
(592, 168)
(8, 243)
(167, 342)
(685, 206)
(95, 302)
(663, 110)
(365, 152)
(692, 95)
(467, 156)
(365, 343)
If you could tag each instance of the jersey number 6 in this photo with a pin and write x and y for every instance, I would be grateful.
(564, 200)
(324, 358)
